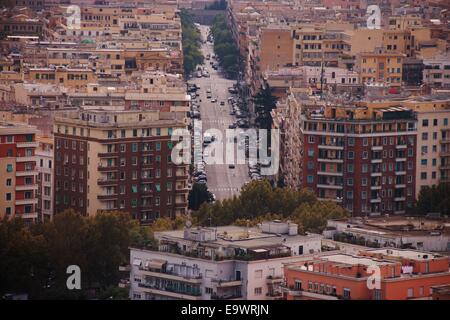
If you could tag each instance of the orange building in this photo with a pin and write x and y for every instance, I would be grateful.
(403, 274)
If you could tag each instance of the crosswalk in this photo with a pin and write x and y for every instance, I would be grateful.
(218, 121)
(224, 189)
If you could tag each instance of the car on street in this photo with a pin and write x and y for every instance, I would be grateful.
(213, 100)
(231, 166)
(232, 126)
(222, 103)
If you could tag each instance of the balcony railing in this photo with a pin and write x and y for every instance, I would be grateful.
(226, 296)
(194, 293)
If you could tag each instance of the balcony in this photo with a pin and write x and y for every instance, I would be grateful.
(171, 276)
(26, 173)
(377, 148)
(27, 201)
(106, 182)
(219, 283)
(445, 167)
(110, 196)
(33, 144)
(26, 159)
(375, 200)
(444, 153)
(274, 280)
(329, 186)
(400, 199)
(375, 187)
(375, 174)
(400, 159)
(226, 296)
(376, 160)
(401, 146)
(400, 173)
(28, 215)
(329, 173)
(112, 154)
(331, 147)
(26, 187)
(400, 186)
(330, 160)
(107, 168)
(444, 141)
(399, 212)
(170, 292)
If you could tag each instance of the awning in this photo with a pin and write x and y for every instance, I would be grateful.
(155, 263)
(137, 262)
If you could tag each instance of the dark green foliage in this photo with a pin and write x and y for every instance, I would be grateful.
(191, 40)
(34, 260)
(224, 46)
(217, 5)
(265, 102)
(434, 199)
(198, 195)
(260, 201)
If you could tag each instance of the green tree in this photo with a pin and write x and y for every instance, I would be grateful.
(313, 217)
(198, 195)
(434, 199)
(191, 42)
(264, 102)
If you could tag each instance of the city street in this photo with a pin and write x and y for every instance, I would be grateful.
(223, 181)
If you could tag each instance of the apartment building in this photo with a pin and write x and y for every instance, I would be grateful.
(18, 162)
(405, 275)
(225, 263)
(74, 78)
(361, 157)
(44, 167)
(418, 233)
(107, 159)
(433, 142)
(436, 72)
(380, 66)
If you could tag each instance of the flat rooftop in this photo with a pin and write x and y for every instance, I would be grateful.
(235, 236)
(407, 254)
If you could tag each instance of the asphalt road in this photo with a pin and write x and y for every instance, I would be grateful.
(223, 181)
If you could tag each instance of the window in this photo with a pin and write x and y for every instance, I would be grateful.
(310, 153)
(410, 292)
(208, 290)
(346, 293)
(425, 123)
(134, 147)
(8, 182)
(310, 179)
(8, 196)
(258, 291)
(9, 168)
(158, 146)
(258, 274)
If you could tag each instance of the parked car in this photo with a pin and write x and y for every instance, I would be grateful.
(222, 103)
(231, 166)
(213, 100)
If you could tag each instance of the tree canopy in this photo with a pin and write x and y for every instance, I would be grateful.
(224, 45)
(434, 199)
(35, 259)
(260, 201)
(191, 41)
(265, 102)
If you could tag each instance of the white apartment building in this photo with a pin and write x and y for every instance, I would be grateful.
(436, 72)
(219, 263)
(44, 166)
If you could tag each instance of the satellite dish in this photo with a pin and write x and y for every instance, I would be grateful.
(188, 224)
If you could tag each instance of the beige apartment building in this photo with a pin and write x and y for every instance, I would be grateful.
(380, 67)
(433, 142)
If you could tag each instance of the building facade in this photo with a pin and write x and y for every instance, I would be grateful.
(18, 162)
(119, 160)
